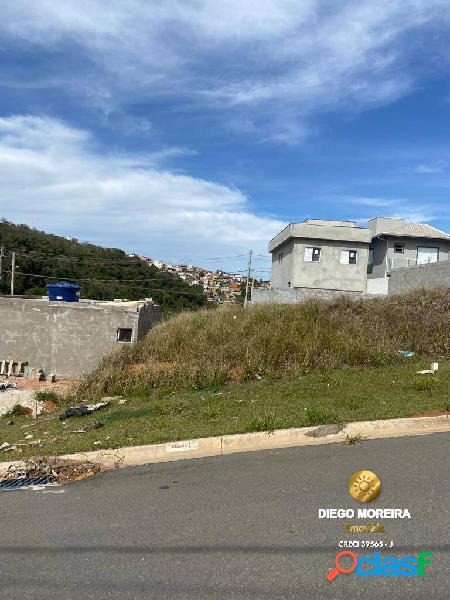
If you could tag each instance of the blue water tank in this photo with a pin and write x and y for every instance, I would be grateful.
(63, 291)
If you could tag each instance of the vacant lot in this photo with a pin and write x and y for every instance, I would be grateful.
(329, 396)
(234, 370)
(197, 350)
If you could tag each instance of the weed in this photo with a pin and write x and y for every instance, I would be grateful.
(16, 411)
(318, 417)
(266, 423)
(48, 395)
(352, 440)
(427, 383)
(211, 413)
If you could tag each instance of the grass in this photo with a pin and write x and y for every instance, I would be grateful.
(329, 395)
(194, 351)
(48, 395)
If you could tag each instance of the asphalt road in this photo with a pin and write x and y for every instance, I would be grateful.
(243, 526)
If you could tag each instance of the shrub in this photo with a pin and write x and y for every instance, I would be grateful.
(48, 395)
(17, 411)
(427, 383)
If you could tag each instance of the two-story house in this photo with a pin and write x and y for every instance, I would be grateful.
(322, 255)
(396, 244)
(338, 256)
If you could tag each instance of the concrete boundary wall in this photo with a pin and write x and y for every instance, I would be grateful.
(422, 276)
(295, 295)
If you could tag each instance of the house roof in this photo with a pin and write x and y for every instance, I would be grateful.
(314, 231)
(418, 230)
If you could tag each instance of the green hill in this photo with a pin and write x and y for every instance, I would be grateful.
(103, 273)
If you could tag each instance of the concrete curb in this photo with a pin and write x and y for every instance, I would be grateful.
(250, 442)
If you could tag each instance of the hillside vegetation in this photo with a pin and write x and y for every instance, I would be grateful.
(201, 349)
(103, 273)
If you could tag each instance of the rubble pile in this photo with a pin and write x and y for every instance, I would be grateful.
(61, 471)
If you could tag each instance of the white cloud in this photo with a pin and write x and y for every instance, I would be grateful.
(51, 177)
(438, 166)
(277, 63)
(374, 202)
(413, 212)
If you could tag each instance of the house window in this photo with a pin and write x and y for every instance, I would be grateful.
(426, 254)
(349, 257)
(399, 248)
(124, 334)
(280, 257)
(370, 262)
(312, 254)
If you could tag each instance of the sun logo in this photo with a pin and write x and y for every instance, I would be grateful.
(364, 486)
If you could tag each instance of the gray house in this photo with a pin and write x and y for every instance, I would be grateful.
(397, 244)
(326, 258)
(321, 255)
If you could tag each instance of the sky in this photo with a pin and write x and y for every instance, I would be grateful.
(195, 130)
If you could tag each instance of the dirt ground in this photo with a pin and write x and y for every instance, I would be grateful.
(33, 384)
(432, 413)
(23, 394)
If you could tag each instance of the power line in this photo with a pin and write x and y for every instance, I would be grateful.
(88, 279)
(127, 259)
(119, 282)
(136, 260)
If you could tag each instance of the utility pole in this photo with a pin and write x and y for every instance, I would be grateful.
(2, 254)
(249, 270)
(13, 269)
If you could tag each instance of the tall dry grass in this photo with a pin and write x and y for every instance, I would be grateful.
(194, 350)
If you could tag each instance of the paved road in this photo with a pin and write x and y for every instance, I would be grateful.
(242, 526)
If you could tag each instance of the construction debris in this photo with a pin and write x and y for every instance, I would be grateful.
(12, 367)
(88, 427)
(82, 410)
(5, 385)
(34, 373)
(53, 469)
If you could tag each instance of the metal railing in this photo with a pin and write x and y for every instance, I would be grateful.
(400, 262)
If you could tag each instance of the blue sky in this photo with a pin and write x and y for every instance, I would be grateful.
(195, 130)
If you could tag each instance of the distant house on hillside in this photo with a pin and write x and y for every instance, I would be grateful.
(326, 258)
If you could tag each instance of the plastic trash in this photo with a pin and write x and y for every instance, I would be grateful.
(82, 410)
(406, 353)
(432, 371)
